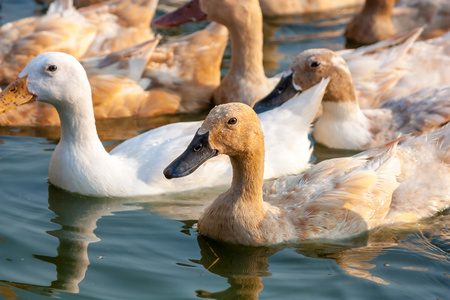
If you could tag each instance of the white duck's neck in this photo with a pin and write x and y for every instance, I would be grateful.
(343, 126)
(78, 127)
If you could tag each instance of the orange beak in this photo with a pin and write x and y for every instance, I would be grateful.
(15, 94)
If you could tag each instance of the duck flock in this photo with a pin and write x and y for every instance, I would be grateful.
(388, 99)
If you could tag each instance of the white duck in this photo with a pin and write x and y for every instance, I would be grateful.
(335, 199)
(343, 124)
(379, 19)
(80, 163)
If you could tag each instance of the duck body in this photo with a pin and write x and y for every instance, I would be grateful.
(334, 199)
(343, 124)
(382, 19)
(80, 163)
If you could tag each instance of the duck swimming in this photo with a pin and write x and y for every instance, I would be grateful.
(337, 198)
(381, 19)
(245, 81)
(343, 125)
(81, 164)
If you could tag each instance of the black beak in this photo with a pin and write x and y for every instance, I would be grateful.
(198, 151)
(284, 91)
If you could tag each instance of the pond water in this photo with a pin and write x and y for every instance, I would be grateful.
(56, 244)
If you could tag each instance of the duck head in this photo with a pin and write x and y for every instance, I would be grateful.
(307, 70)
(232, 129)
(52, 77)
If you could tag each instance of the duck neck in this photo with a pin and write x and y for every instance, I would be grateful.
(343, 124)
(247, 47)
(339, 103)
(78, 126)
(341, 89)
(248, 171)
(236, 215)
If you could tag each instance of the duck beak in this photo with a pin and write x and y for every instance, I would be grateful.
(284, 91)
(190, 12)
(15, 94)
(198, 151)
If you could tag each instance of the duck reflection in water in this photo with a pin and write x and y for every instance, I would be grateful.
(78, 216)
(366, 256)
(244, 267)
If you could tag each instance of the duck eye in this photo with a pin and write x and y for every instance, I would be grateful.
(198, 147)
(52, 68)
(280, 89)
(315, 64)
(232, 121)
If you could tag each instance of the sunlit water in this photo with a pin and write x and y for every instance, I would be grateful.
(56, 244)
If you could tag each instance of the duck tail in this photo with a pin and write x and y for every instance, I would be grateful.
(129, 62)
(138, 62)
(60, 7)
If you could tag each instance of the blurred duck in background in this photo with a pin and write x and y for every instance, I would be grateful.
(245, 81)
(93, 30)
(382, 19)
